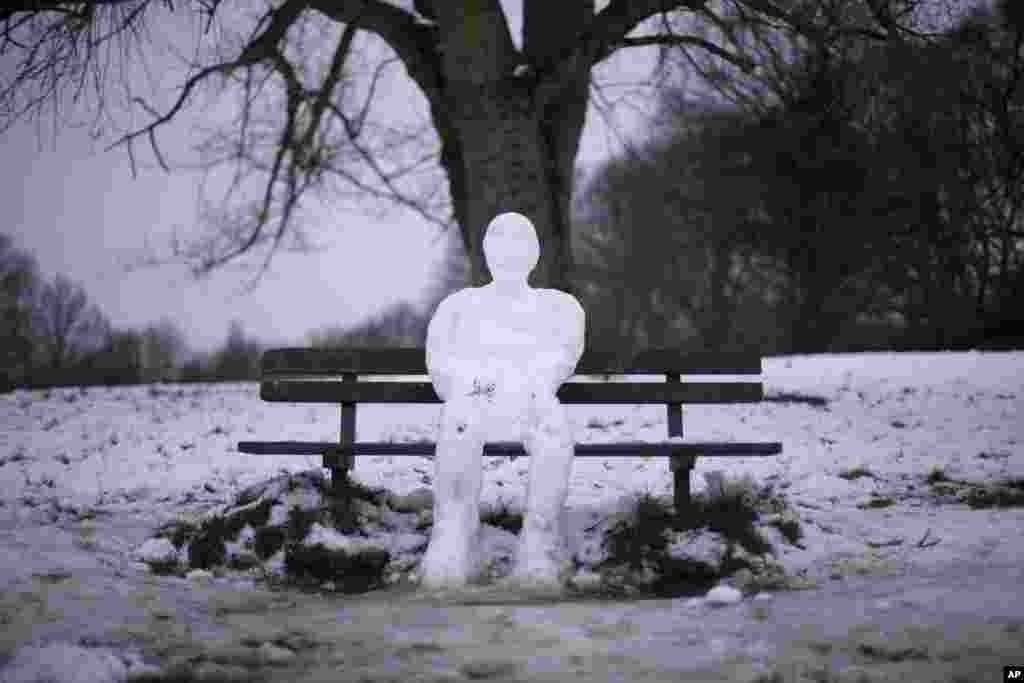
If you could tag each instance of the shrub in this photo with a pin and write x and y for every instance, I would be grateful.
(503, 517)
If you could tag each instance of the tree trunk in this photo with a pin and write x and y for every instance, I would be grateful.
(510, 138)
(505, 164)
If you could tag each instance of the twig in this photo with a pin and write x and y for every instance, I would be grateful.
(922, 544)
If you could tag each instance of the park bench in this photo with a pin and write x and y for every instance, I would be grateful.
(332, 376)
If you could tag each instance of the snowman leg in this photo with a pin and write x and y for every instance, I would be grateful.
(542, 558)
(450, 559)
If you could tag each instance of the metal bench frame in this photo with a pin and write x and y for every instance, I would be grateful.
(331, 376)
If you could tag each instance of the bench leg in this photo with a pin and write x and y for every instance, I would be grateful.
(341, 490)
(339, 483)
(681, 466)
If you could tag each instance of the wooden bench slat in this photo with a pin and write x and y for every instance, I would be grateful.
(319, 391)
(512, 448)
(412, 360)
(300, 375)
(398, 361)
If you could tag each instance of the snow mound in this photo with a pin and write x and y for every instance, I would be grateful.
(719, 596)
(156, 550)
(287, 529)
(333, 540)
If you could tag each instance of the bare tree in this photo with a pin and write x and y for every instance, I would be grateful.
(119, 361)
(398, 325)
(19, 284)
(864, 150)
(990, 118)
(198, 368)
(239, 359)
(505, 123)
(66, 325)
(948, 122)
(163, 351)
(624, 242)
(668, 235)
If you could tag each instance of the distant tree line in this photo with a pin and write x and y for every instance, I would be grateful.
(51, 335)
(844, 197)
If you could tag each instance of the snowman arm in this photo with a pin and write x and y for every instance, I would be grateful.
(443, 363)
(569, 336)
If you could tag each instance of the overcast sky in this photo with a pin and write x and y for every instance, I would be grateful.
(77, 208)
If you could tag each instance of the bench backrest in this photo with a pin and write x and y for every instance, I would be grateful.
(331, 376)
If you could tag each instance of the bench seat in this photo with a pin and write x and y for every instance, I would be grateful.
(332, 376)
(640, 449)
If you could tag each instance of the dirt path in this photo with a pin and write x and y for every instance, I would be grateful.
(921, 629)
(958, 622)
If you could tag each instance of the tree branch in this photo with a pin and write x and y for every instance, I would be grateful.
(323, 99)
(610, 25)
(620, 17)
(33, 7)
(264, 47)
(413, 42)
(742, 62)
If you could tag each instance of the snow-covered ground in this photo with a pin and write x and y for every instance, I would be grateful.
(163, 451)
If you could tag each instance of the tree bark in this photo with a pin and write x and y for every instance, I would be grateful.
(504, 163)
(507, 148)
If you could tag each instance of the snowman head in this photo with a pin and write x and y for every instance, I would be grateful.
(511, 247)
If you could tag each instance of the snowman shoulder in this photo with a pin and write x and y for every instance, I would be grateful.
(457, 301)
(448, 312)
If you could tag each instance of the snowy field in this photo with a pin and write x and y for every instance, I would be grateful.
(164, 451)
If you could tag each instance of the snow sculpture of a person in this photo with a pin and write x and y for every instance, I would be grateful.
(496, 356)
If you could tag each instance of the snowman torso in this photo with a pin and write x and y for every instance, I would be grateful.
(502, 330)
